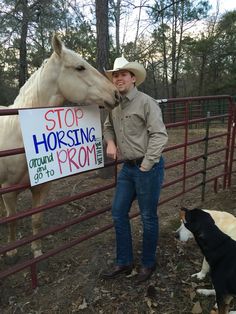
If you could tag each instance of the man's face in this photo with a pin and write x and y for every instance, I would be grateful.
(123, 80)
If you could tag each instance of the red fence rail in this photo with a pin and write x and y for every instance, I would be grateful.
(192, 123)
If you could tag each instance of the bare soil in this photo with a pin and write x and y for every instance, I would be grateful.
(70, 282)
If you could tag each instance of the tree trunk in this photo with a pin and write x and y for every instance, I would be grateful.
(117, 22)
(179, 45)
(137, 28)
(102, 60)
(165, 62)
(102, 34)
(102, 39)
(201, 75)
(173, 51)
(23, 68)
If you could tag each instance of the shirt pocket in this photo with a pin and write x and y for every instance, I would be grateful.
(133, 125)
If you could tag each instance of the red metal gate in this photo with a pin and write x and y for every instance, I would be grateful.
(200, 151)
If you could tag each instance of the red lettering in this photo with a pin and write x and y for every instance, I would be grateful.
(61, 158)
(90, 151)
(56, 118)
(71, 154)
(49, 120)
(82, 156)
(78, 115)
(73, 159)
(68, 118)
(58, 111)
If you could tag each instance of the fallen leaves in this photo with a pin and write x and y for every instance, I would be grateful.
(197, 309)
(77, 306)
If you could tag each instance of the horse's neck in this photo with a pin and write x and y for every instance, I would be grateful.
(40, 90)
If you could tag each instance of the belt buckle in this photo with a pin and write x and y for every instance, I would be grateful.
(138, 161)
(130, 162)
(134, 162)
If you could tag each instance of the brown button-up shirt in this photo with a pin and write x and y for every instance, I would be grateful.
(136, 126)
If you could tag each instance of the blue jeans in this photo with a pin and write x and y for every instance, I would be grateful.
(145, 186)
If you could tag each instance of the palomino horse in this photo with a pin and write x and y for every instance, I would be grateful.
(64, 76)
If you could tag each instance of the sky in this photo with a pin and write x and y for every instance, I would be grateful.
(128, 30)
(129, 22)
(224, 5)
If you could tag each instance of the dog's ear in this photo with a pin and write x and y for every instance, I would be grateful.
(182, 214)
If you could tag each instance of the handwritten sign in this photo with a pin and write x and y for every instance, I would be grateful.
(61, 141)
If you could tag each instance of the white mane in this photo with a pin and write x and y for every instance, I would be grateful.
(28, 94)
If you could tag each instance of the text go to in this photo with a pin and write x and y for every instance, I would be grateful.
(42, 173)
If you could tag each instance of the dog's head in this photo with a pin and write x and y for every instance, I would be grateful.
(195, 220)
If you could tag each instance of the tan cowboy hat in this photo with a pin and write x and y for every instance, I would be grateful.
(134, 67)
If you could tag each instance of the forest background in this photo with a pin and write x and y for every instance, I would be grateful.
(187, 49)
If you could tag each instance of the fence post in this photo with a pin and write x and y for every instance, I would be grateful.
(205, 156)
(232, 145)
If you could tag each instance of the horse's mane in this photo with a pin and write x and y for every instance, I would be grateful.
(27, 96)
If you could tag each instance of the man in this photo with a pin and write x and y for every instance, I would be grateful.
(135, 129)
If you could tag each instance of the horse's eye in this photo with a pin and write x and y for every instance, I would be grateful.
(80, 68)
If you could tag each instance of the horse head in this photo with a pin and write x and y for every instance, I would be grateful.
(78, 81)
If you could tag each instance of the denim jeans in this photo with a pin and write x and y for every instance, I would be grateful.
(145, 186)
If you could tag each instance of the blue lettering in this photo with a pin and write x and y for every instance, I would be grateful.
(52, 145)
(87, 136)
(37, 143)
(76, 137)
(83, 135)
(60, 136)
(60, 139)
(92, 138)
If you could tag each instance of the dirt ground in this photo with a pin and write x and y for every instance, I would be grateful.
(70, 282)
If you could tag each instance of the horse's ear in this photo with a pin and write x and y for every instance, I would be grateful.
(57, 44)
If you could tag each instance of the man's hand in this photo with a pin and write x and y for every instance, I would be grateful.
(142, 169)
(111, 149)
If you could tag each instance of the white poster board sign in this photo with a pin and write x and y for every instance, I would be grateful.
(61, 141)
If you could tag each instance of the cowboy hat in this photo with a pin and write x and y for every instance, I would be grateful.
(134, 67)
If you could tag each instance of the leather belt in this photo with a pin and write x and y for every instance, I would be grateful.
(134, 162)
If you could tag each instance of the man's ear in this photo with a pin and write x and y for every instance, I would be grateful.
(133, 79)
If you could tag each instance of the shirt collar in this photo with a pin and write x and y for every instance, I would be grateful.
(126, 99)
(131, 94)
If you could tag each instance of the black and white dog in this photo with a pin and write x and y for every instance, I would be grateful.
(220, 252)
(225, 221)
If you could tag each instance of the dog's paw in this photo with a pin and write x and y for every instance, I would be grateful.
(214, 309)
(206, 292)
(200, 276)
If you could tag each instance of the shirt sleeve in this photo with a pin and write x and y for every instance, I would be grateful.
(108, 130)
(157, 134)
